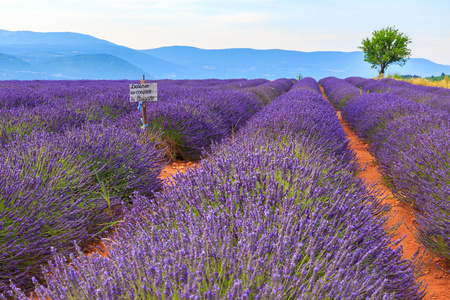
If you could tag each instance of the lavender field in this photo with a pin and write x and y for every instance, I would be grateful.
(275, 210)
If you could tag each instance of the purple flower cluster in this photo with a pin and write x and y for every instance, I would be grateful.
(47, 118)
(338, 91)
(357, 81)
(25, 93)
(270, 214)
(411, 141)
(240, 84)
(307, 83)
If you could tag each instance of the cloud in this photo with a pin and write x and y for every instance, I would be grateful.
(333, 70)
(239, 18)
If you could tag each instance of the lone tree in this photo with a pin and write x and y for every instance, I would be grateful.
(387, 46)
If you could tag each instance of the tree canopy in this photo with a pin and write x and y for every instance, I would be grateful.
(387, 46)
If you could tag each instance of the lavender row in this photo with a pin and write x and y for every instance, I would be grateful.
(34, 93)
(58, 106)
(305, 111)
(433, 96)
(63, 177)
(410, 141)
(338, 91)
(268, 91)
(269, 215)
(307, 83)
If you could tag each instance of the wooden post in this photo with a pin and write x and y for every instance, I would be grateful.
(144, 106)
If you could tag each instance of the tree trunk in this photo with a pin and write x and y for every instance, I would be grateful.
(381, 75)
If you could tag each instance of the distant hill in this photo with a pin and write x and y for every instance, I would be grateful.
(89, 66)
(48, 38)
(45, 51)
(27, 55)
(251, 63)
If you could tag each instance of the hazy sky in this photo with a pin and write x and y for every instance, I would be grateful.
(314, 25)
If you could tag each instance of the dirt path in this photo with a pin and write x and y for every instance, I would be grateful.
(177, 166)
(438, 281)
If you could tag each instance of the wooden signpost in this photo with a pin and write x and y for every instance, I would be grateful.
(142, 93)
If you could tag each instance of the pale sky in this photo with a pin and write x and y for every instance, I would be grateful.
(313, 25)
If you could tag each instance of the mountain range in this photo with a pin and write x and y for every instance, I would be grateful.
(27, 55)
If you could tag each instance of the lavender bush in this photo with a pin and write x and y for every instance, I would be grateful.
(233, 107)
(338, 91)
(18, 93)
(307, 112)
(187, 128)
(369, 85)
(399, 135)
(307, 83)
(22, 121)
(57, 106)
(370, 112)
(357, 81)
(424, 177)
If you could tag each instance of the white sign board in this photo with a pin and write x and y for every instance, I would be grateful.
(143, 92)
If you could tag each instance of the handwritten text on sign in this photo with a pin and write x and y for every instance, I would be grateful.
(143, 92)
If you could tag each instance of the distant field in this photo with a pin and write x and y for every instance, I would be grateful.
(439, 81)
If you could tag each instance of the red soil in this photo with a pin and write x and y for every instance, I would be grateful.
(177, 166)
(438, 281)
